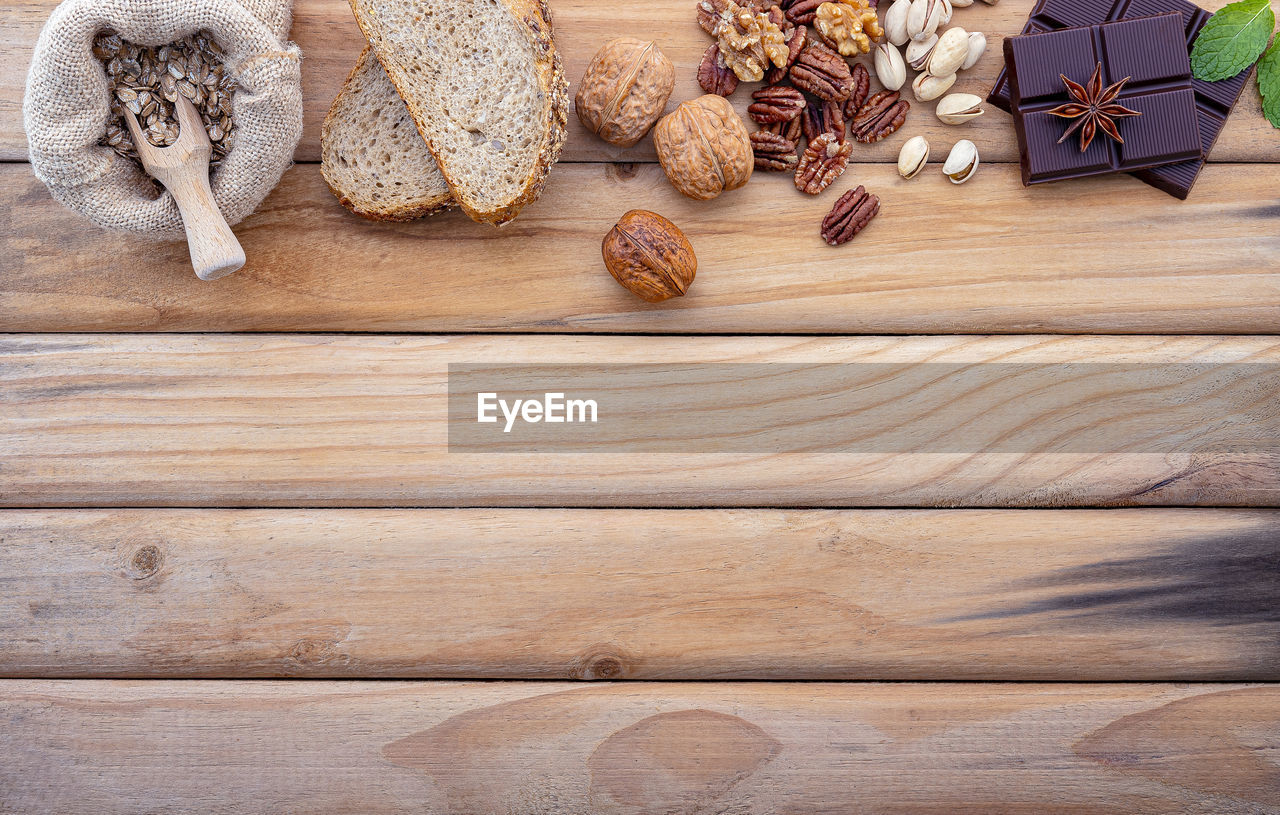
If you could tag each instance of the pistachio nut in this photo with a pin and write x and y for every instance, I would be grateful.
(923, 18)
(991, 2)
(928, 87)
(895, 22)
(919, 51)
(913, 156)
(947, 11)
(948, 55)
(962, 163)
(977, 47)
(890, 69)
(958, 108)
(962, 3)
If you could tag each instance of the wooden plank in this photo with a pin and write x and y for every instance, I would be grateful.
(330, 41)
(641, 594)
(1115, 257)
(548, 748)
(190, 420)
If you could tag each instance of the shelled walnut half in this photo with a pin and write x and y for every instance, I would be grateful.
(849, 26)
(750, 41)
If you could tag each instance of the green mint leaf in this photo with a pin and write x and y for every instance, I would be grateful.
(1269, 83)
(1232, 40)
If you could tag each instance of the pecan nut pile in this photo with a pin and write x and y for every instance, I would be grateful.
(822, 163)
(714, 76)
(749, 40)
(775, 103)
(823, 73)
(849, 216)
(774, 152)
(880, 117)
(849, 26)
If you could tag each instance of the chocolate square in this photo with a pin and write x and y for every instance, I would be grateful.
(1149, 51)
(1214, 100)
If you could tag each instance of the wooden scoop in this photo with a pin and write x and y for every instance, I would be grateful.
(183, 168)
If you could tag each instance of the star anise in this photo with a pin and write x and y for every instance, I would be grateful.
(1094, 108)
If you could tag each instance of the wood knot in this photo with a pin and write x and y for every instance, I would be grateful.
(312, 652)
(605, 668)
(145, 562)
(599, 664)
(323, 650)
(622, 172)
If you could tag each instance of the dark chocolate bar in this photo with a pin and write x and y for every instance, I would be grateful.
(1214, 100)
(1147, 60)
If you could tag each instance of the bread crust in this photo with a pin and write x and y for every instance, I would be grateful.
(536, 18)
(397, 214)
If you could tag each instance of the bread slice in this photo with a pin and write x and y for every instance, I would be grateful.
(485, 86)
(371, 153)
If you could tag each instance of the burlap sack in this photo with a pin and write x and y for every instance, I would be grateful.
(66, 106)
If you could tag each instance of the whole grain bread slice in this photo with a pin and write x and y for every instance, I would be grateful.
(371, 154)
(485, 86)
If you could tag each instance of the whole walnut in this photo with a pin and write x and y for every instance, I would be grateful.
(624, 91)
(650, 256)
(704, 147)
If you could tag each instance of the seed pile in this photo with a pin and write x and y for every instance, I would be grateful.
(148, 81)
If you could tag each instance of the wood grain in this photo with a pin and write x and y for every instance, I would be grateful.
(178, 420)
(1111, 257)
(331, 42)
(549, 748)
(613, 594)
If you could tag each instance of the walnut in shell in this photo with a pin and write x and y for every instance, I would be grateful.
(624, 91)
(704, 147)
(650, 256)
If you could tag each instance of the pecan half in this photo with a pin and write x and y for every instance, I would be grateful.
(823, 73)
(823, 117)
(792, 130)
(849, 216)
(861, 90)
(795, 42)
(822, 163)
(802, 12)
(880, 117)
(774, 152)
(714, 75)
(775, 14)
(776, 103)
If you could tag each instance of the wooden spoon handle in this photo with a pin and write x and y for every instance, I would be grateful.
(215, 252)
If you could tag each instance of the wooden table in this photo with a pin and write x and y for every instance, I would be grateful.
(212, 491)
